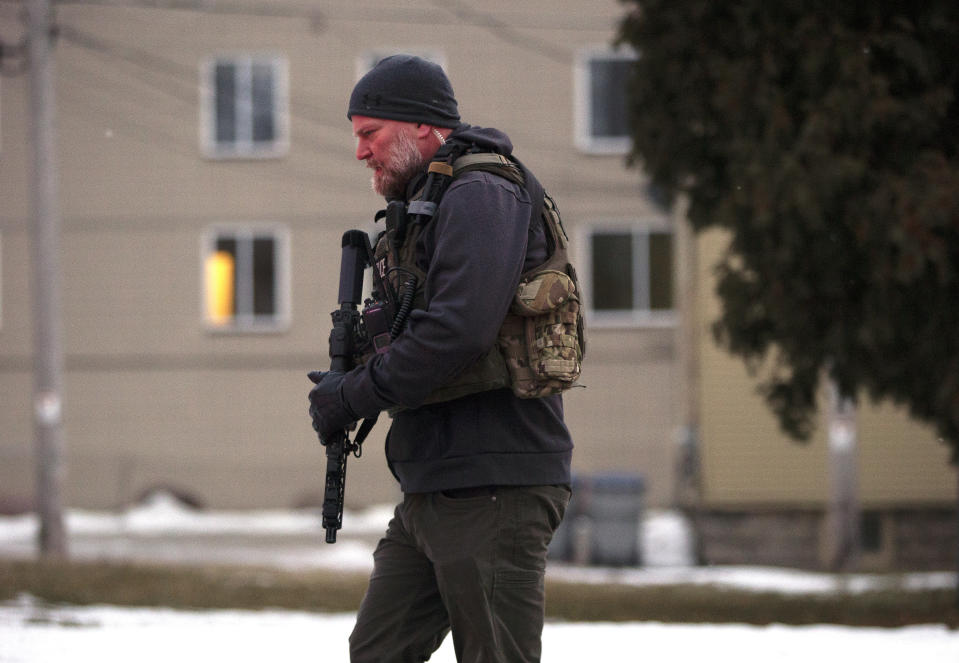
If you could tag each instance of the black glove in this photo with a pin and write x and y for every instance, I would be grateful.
(329, 410)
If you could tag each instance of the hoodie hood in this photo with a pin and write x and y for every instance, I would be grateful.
(486, 140)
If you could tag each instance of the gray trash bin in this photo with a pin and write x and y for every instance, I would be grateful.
(615, 509)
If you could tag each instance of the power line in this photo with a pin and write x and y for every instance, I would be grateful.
(167, 74)
(504, 31)
(152, 62)
(266, 10)
(155, 138)
(459, 14)
(182, 75)
(350, 11)
(149, 133)
(174, 76)
(152, 136)
(179, 81)
(137, 56)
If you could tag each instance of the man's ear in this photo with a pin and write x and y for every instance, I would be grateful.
(423, 131)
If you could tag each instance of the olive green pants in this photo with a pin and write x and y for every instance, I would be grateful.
(471, 562)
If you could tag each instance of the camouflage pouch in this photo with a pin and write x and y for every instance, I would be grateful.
(542, 338)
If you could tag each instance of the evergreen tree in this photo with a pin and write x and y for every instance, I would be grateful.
(825, 138)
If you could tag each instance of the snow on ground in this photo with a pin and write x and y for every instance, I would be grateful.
(33, 633)
(163, 530)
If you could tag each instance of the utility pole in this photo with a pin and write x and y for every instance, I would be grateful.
(843, 512)
(47, 349)
(688, 490)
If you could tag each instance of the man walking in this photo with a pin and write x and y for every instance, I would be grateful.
(485, 474)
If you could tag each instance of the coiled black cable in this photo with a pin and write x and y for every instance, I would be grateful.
(403, 311)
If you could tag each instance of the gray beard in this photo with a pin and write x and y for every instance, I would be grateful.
(403, 163)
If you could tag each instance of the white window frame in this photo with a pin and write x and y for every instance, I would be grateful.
(245, 321)
(366, 59)
(583, 102)
(243, 147)
(640, 315)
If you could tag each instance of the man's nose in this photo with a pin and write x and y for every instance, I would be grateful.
(363, 150)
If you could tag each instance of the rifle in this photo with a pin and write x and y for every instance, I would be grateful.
(356, 256)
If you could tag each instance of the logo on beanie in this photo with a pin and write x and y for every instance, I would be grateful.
(370, 100)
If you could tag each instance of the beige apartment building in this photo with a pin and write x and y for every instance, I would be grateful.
(188, 133)
(207, 144)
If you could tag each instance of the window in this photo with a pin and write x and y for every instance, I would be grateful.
(244, 107)
(630, 276)
(601, 115)
(870, 528)
(246, 278)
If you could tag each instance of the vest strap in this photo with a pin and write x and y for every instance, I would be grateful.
(441, 167)
(480, 158)
(424, 207)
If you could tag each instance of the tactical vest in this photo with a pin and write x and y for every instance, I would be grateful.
(542, 341)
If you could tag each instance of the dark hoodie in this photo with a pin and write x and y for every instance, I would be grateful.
(473, 252)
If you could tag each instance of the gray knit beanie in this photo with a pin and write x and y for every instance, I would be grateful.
(406, 88)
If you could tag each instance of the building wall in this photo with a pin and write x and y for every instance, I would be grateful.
(764, 498)
(152, 395)
(923, 537)
(747, 459)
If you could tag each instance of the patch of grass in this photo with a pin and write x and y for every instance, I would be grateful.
(226, 587)
(697, 603)
(237, 587)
